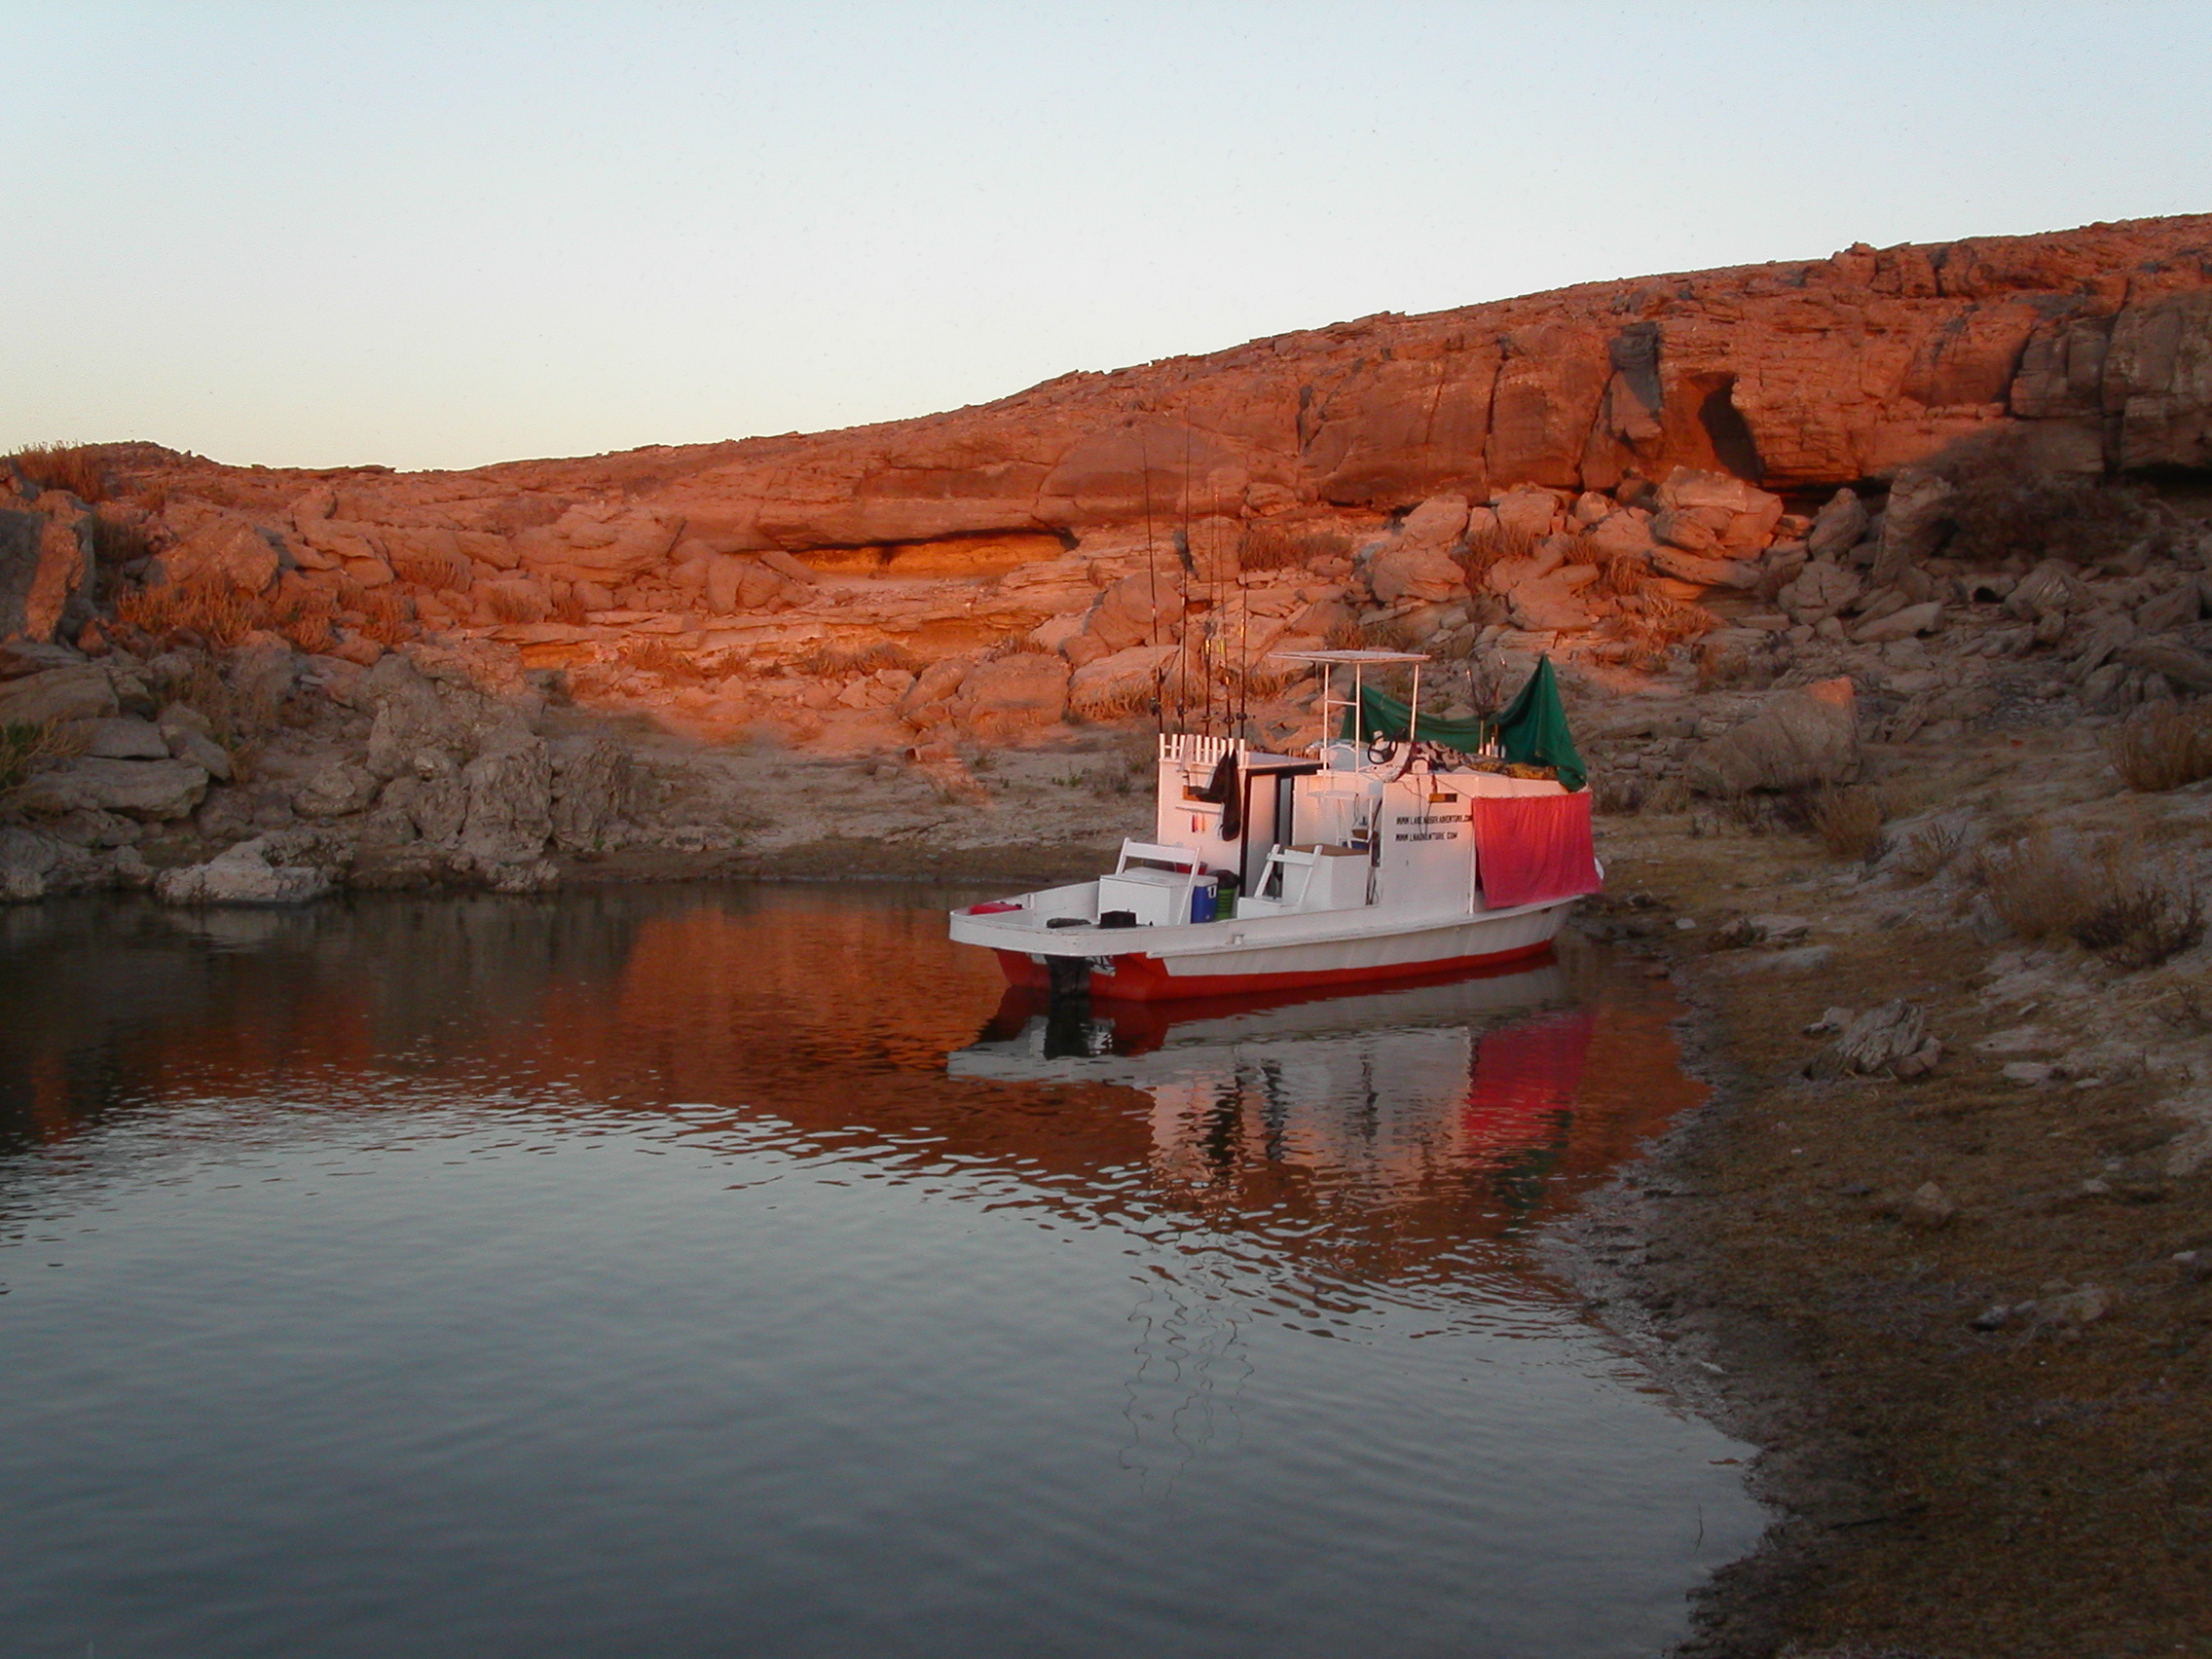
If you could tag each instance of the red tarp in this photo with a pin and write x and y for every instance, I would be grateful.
(1530, 848)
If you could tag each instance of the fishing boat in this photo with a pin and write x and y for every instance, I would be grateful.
(1399, 843)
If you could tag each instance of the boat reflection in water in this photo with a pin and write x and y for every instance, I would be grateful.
(1378, 1094)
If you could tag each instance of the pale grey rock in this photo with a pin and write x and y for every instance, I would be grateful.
(201, 752)
(148, 790)
(596, 791)
(510, 801)
(1839, 526)
(338, 788)
(244, 876)
(1798, 739)
(1912, 522)
(120, 738)
(26, 859)
(1903, 623)
(84, 692)
(1888, 1041)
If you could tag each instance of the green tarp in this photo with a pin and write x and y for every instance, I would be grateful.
(1530, 731)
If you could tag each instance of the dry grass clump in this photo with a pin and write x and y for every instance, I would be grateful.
(1849, 821)
(2037, 886)
(2140, 924)
(2105, 898)
(210, 608)
(830, 660)
(663, 657)
(74, 468)
(1280, 546)
(1928, 851)
(1490, 546)
(236, 713)
(2164, 747)
(211, 611)
(2004, 510)
(1650, 625)
(25, 744)
(510, 602)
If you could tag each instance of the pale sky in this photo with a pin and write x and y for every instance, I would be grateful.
(445, 235)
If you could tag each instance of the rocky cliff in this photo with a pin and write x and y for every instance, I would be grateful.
(1801, 470)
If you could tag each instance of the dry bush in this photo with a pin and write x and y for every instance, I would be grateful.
(1622, 575)
(1650, 626)
(662, 657)
(511, 604)
(1278, 548)
(830, 660)
(25, 744)
(1848, 822)
(387, 614)
(2005, 506)
(2037, 888)
(1494, 545)
(569, 608)
(235, 716)
(2164, 747)
(2141, 923)
(118, 541)
(1928, 851)
(74, 468)
(209, 606)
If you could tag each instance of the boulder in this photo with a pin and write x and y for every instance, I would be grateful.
(1007, 696)
(1838, 526)
(1404, 572)
(228, 550)
(1674, 528)
(1900, 624)
(25, 859)
(337, 540)
(1438, 521)
(1121, 685)
(338, 788)
(929, 700)
(126, 739)
(596, 791)
(416, 711)
(2189, 670)
(1141, 610)
(83, 693)
(1819, 592)
(1913, 524)
(1527, 510)
(154, 791)
(1740, 516)
(1798, 739)
(429, 801)
(1624, 536)
(510, 799)
(45, 566)
(1550, 604)
(1740, 574)
(246, 875)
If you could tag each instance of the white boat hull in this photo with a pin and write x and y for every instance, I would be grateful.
(1260, 953)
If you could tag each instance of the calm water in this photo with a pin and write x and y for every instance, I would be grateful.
(736, 1272)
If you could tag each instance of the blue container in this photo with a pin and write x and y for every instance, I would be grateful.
(1201, 899)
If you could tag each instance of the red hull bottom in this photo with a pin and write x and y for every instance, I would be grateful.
(1145, 978)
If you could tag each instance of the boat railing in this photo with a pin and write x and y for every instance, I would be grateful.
(1191, 748)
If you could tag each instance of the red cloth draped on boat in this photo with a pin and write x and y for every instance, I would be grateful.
(1530, 848)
